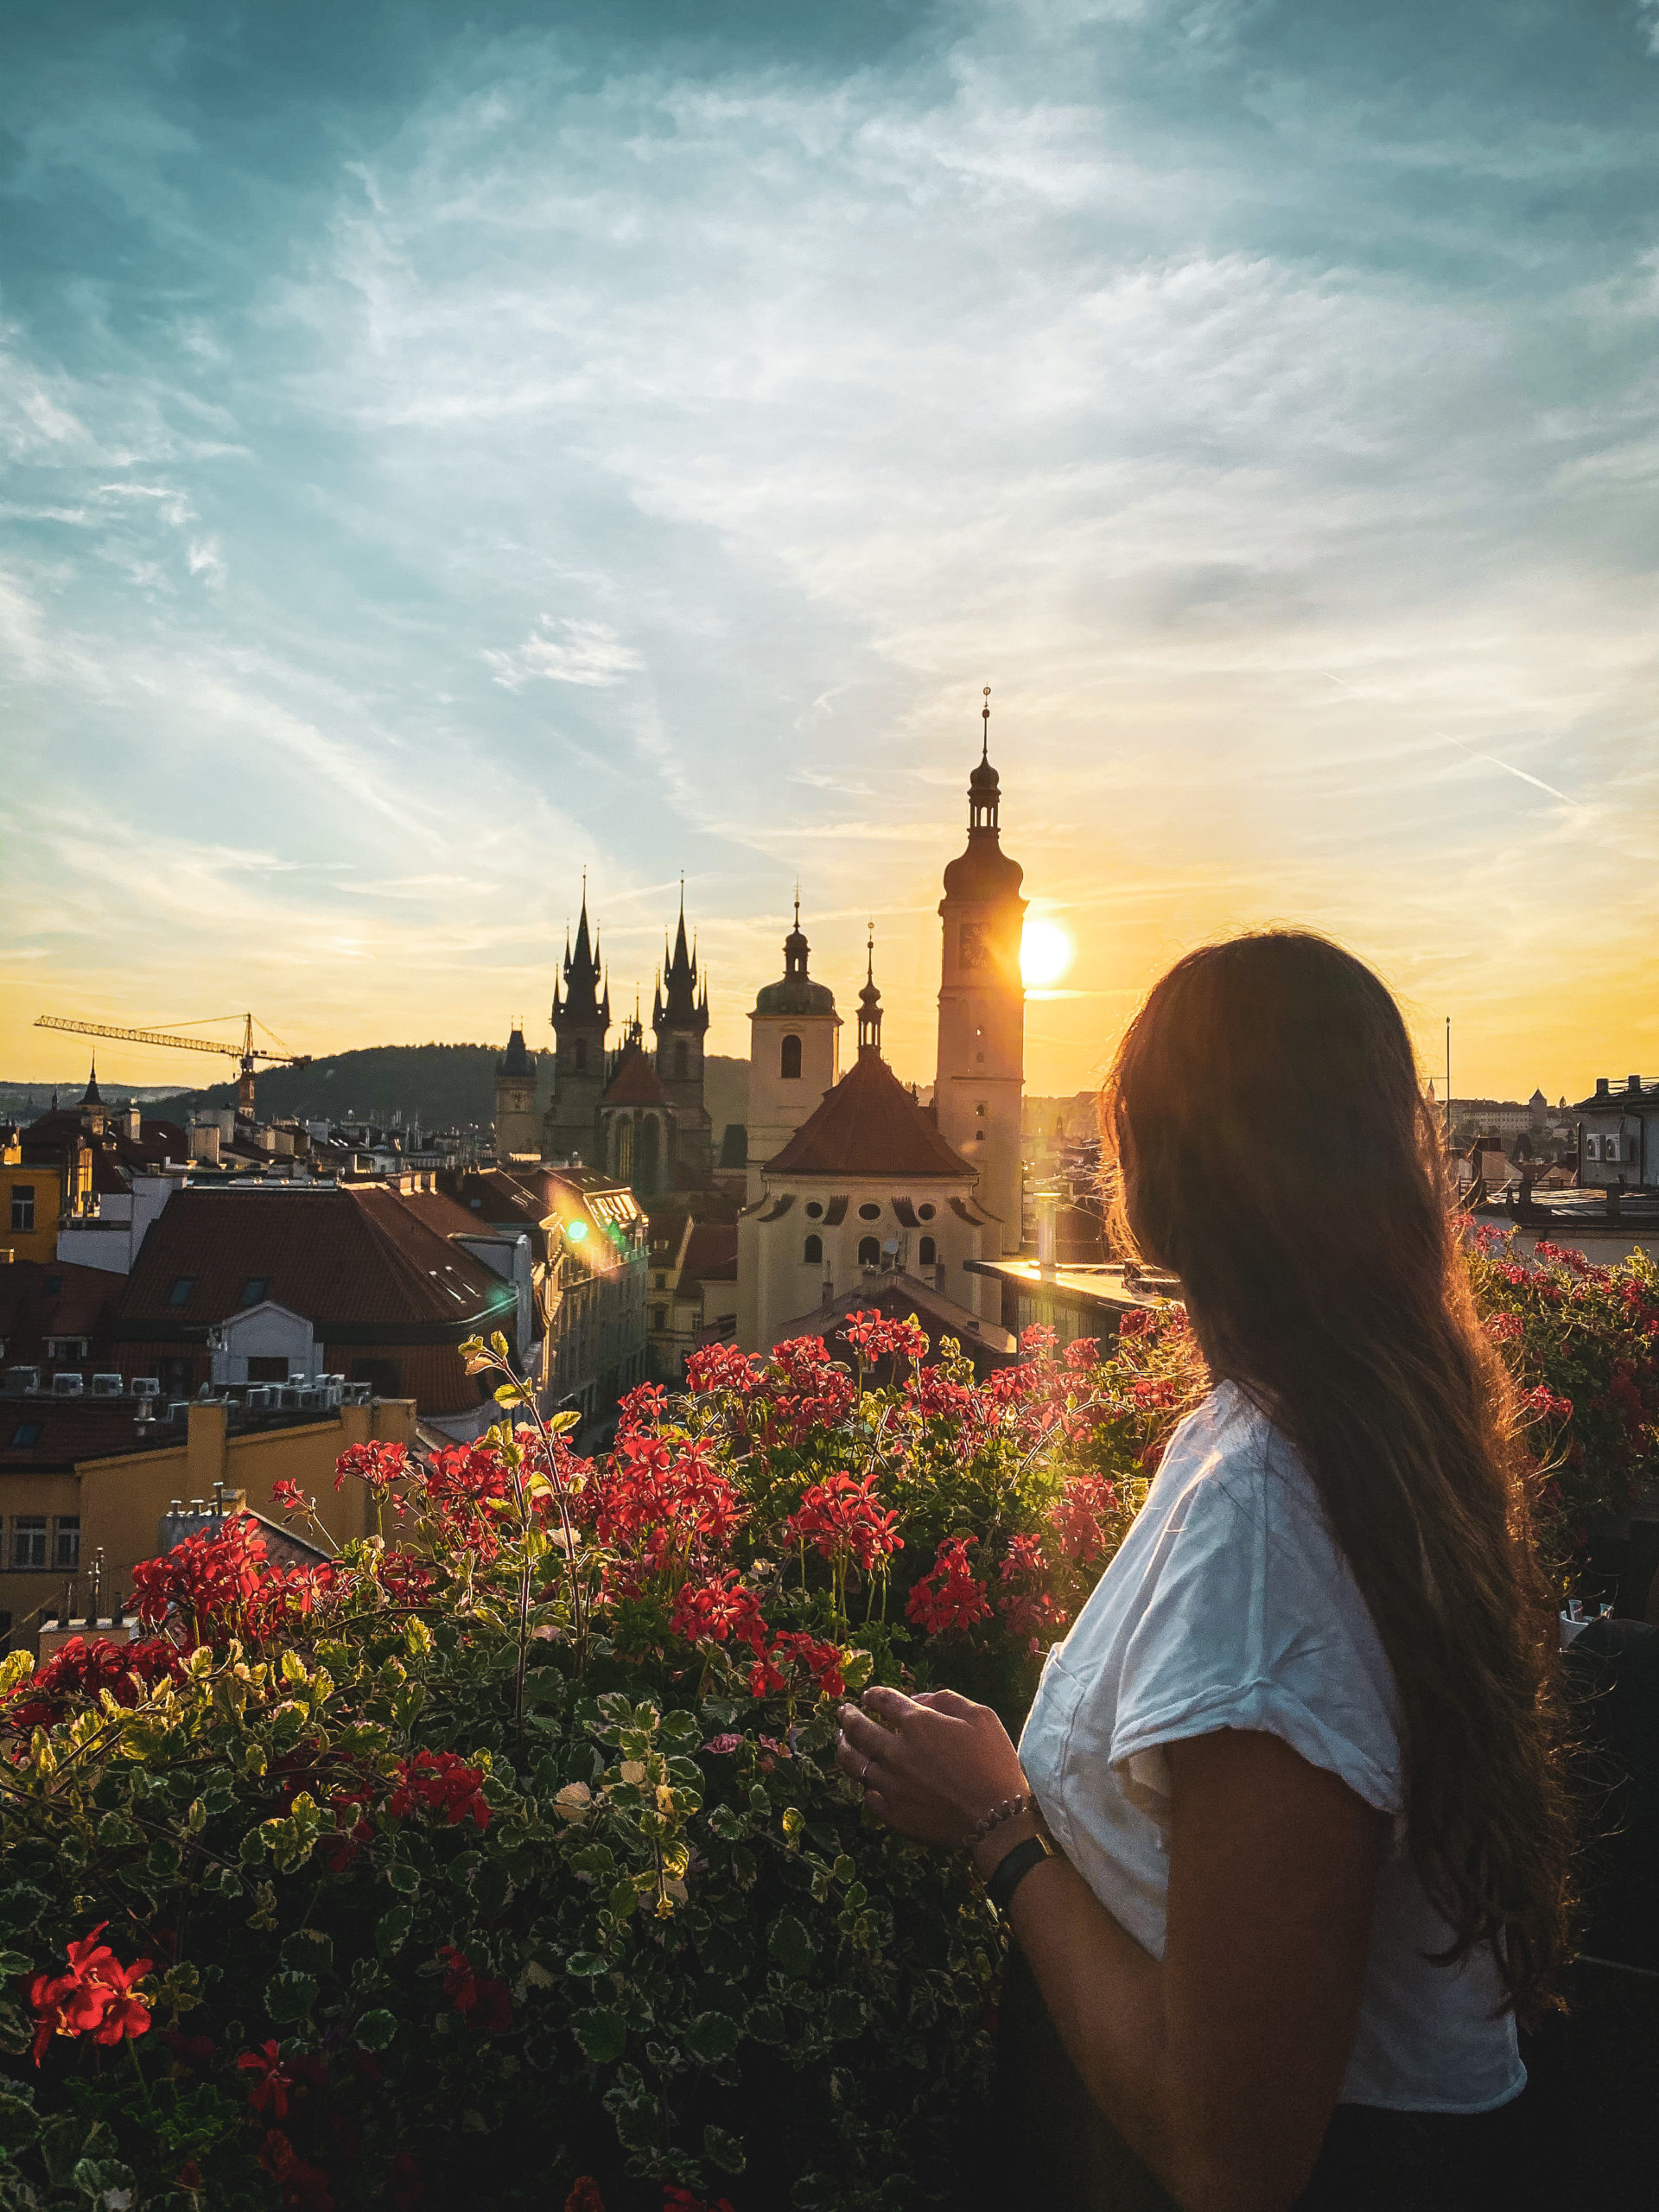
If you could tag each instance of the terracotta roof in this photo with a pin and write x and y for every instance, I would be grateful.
(52, 1298)
(898, 1296)
(361, 1255)
(634, 1083)
(47, 1434)
(869, 1125)
(711, 1254)
(155, 1141)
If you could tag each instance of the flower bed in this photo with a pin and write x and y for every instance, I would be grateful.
(509, 1846)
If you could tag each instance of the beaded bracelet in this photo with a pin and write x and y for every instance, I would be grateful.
(1010, 1809)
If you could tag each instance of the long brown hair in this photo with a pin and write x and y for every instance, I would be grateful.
(1277, 1152)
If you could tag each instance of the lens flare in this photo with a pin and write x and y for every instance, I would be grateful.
(1045, 953)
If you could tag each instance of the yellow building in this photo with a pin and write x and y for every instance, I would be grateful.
(76, 1482)
(42, 1186)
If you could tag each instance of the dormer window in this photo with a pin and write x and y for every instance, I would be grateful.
(179, 1290)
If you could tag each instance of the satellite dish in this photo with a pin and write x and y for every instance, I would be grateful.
(891, 1247)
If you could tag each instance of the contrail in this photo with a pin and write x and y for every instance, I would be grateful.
(1446, 738)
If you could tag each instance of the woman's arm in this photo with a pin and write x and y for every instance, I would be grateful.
(1221, 2065)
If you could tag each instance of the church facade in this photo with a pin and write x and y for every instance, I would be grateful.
(851, 1178)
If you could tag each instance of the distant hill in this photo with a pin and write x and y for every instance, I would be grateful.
(441, 1086)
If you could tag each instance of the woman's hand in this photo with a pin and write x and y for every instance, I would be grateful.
(930, 1766)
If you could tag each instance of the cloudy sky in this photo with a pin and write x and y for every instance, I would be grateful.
(452, 448)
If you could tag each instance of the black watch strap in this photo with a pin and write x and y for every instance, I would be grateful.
(1013, 1868)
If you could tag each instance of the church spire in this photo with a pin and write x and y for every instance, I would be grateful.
(869, 1003)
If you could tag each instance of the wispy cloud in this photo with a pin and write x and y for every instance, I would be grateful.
(565, 652)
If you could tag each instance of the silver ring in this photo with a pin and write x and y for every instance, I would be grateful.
(865, 1777)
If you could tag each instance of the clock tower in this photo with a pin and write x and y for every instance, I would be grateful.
(980, 1084)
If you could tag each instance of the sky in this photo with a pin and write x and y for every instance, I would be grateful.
(452, 447)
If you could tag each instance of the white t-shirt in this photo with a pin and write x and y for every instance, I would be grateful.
(1230, 1605)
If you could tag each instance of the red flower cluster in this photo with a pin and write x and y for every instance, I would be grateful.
(720, 1367)
(222, 1585)
(874, 1339)
(443, 1784)
(304, 2188)
(286, 1493)
(483, 2002)
(657, 1504)
(1028, 1605)
(1542, 1402)
(802, 1390)
(379, 1465)
(585, 2196)
(79, 1670)
(643, 1407)
(947, 1597)
(793, 1649)
(721, 1607)
(1079, 1518)
(1505, 1328)
(1037, 1339)
(272, 2082)
(677, 2199)
(843, 1521)
(95, 1998)
(933, 1396)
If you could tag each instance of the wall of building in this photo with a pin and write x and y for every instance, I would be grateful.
(979, 1091)
(779, 1104)
(119, 1502)
(777, 1280)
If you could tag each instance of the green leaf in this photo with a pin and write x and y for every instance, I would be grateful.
(392, 1930)
(307, 1948)
(587, 1966)
(376, 2030)
(712, 2037)
(790, 1944)
(723, 2149)
(117, 1833)
(290, 1996)
(602, 2034)
(544, 1686)
(403, 1879)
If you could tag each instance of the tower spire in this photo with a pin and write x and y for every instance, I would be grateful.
(985, 733)
(869, 1003)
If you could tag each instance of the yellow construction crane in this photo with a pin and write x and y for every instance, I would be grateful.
(246, 1052)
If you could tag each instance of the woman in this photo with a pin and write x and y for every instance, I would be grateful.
(1284, 1847)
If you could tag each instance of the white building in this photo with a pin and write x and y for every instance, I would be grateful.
(794, 1055)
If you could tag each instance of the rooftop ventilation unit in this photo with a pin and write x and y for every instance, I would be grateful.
(106, 1386)
(258, 1398)
(20, 1381)
(146, 1386)
(68, 1386)
(178, 1409)
(356, 1394)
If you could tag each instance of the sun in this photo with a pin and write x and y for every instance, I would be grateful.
(1045, 953)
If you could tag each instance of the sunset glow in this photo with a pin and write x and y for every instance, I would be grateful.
(1045, 952)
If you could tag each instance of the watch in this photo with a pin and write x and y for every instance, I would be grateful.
(1013, 1868)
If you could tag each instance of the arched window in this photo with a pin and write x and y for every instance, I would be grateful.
(647, 1175)
(790, 1064)
(813, 1256)
(929, 1252)
(869, 1252)
(582, 1056)
(682, 1063)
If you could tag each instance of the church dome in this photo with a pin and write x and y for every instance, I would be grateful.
(796, 994)
(984, 778)
(984, 871)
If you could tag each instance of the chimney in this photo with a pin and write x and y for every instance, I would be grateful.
(1632, 1083)
(1601, 1086)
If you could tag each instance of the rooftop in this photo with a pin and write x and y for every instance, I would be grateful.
(870, 1126)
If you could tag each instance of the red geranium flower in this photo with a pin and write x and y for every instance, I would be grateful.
(271, 2079)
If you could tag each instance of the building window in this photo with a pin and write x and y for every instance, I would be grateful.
(383, 1376)
(868, 1212)
(869, 1252)
(661, 1283)
(66, 1549)
(813, 1253)
(28, 1540)
(22, 1205)
(659, 1318)
(930, 1251)
(582, 1056)
(925, 1213)
(814, 1210)
(264, 1369)
(179, 1290)
(980, 1107)
(253, 1291)
(52, 1284)
(682, 1062)
(790, 1063)
(25, 1433)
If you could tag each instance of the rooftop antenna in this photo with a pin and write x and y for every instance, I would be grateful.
(797, 902)
(985, 720)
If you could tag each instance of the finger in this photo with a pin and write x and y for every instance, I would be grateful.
(951, 1702)
(852, 1761)
(878, 1805)
(866, 1737)
(890, 1706)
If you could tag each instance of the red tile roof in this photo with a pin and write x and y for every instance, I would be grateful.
(869, 1125)
(66, 1432)
(357, 1257)
(52, 1298)
(711, 1254)
(635, 1082)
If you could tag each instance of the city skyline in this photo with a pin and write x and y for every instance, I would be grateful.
(445, 459)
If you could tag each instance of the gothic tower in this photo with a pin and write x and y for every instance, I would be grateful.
(515, 1102)
(680, 1020)
(794, 1054)
(581, 1018)
(981, 1080)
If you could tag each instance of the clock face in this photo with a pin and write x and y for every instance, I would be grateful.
(972, 950)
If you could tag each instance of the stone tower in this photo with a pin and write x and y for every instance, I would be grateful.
(981, 1080)
(515, 1103)
(680, 1020)
(581, 1020)
(794, 1054)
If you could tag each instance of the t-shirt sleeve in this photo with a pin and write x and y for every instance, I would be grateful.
(1254, 1622)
